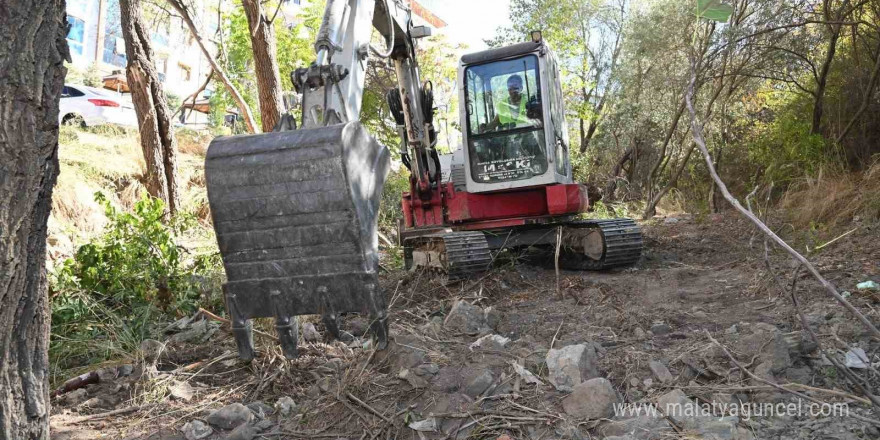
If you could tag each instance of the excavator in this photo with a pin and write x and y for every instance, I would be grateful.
(295, 210)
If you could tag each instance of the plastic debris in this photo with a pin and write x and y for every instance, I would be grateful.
(490, 342)
(427, 425)
(856, 358)
(868, 285)
(525, 374)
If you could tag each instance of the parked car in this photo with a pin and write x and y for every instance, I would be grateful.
(89, 106)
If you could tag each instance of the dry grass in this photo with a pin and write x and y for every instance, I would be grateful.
(835, 198)
(111, 161)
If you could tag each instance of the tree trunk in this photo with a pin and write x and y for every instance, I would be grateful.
(265, 63)
(822, 81)
(32, 53)
(185, 14)
(154, 118)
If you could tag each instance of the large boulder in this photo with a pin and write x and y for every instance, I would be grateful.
(572, 365)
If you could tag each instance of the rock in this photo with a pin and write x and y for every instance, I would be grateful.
(639, 334)
(198, 332)
(490, 342)
(358, 325)
(570, 431)
(670, 221)
(412, 379)
(466, 318)
(433, 327)
(770, 344)
(230, 416)
(571, 365)
(479, 384)
(493, 317)
(426, 369)
(646, 426)
(676, 406)
(182, 391)
(310, 333)
(264, 424)
(260, 409)
(593, 399)
(243, 432)
(285, 406)
(661, 372)
(106, 374)
(125, 370)
(716, 429)
(75, 397)
(196, 430)
(732, 330)
(151, 349)
(661, 329)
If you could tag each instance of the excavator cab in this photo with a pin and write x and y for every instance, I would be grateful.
(513, 124)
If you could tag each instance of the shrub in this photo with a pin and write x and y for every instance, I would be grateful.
(104, 297)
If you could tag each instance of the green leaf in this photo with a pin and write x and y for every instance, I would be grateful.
(714, 10)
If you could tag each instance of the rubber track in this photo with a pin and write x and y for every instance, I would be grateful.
(467, 253)
(623, 242)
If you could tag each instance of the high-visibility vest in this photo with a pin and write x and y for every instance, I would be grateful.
(510, 114)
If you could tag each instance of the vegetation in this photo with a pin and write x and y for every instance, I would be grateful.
(783, 88)
(106, 296)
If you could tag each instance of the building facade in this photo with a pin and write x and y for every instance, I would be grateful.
(95, 41)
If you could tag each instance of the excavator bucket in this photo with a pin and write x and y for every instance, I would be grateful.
(295, 215)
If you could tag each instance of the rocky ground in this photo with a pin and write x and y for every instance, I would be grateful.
(700, 320)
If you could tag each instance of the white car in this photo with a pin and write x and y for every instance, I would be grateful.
(89, 106)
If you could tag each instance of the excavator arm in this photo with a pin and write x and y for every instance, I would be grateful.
(332, 87)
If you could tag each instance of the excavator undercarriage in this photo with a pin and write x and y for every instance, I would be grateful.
(583, 245)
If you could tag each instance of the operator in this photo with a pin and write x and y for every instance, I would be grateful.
(515, 110)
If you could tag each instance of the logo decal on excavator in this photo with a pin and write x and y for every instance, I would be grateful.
(504, 169)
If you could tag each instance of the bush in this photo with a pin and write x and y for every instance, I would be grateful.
(104, 298)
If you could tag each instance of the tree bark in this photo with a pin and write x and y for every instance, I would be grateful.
(265, 63)
(154, 118)
(32, 54)
(212, 60)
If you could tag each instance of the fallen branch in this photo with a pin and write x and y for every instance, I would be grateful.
(76, 383)
(115, 412)
(368, 407)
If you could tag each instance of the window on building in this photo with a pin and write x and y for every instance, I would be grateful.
(76, 35)
(185, 72)
(114, 45)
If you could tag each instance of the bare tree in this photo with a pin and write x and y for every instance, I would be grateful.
(32, 54)
(154, 118)
(185, 12)
(265, 62)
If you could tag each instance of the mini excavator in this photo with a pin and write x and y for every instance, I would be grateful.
(295, 210)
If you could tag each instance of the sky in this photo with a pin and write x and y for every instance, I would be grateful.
(471, 21)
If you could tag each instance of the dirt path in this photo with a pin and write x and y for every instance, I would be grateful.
(697, 278)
